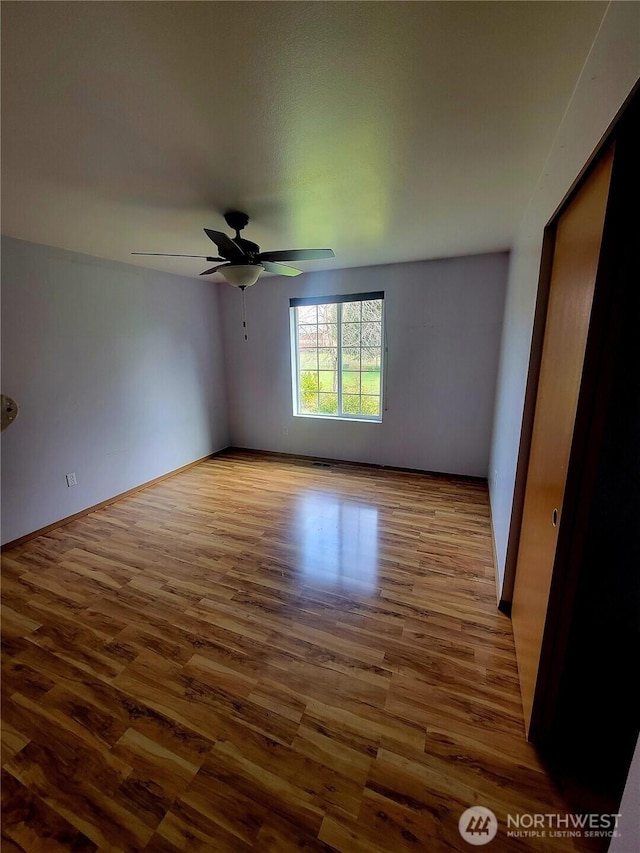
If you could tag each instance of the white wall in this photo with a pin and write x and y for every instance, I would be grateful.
(611, 70)
(119, 376)
(443, 322)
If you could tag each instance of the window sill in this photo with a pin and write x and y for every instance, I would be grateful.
(342, 418)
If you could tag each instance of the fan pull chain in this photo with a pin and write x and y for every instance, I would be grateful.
(244, 314)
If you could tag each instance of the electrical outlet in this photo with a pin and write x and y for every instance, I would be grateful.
(71, 480)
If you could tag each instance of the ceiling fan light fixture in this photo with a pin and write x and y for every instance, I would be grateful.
(242, 275)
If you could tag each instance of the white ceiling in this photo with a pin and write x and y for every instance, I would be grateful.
(389, 131)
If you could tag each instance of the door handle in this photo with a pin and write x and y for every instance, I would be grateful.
(554, 518)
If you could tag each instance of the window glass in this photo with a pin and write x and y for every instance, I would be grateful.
(337, 357)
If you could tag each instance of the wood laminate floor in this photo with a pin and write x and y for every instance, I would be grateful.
(259, 654)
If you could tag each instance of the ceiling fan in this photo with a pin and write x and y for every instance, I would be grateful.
(242, 260)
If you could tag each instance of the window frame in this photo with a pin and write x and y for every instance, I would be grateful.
(338, 301)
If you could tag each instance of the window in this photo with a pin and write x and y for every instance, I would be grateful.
(337, 356)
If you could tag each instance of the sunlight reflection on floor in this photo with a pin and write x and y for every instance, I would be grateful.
(337, 542)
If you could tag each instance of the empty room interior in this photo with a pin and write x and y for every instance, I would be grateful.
(320, 426)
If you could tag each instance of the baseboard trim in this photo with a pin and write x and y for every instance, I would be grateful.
(503, 606)
(300, 457)
(21, 540)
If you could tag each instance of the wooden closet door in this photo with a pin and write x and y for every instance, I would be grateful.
(575, 261)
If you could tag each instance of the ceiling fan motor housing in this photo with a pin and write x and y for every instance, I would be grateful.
(236, 219)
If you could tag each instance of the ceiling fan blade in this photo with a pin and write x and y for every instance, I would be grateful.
(166, 255)
(225, 244)
(214, 269)
(296, 255)
(280, 269)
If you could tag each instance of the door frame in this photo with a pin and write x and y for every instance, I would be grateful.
(590, 414)
(537, 339)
